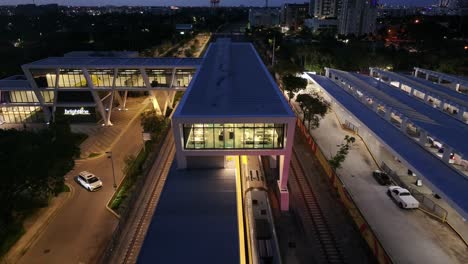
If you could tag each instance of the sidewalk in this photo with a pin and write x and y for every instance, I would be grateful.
(102, 138)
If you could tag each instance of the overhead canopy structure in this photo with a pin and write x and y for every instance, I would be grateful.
(441, 178)
(426, 86)
(449, 131)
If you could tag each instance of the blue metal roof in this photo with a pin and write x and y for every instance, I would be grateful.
(113, 62)
(233, 81)
(438, 124)
(441, 177)
(195, 220)
(428, 86)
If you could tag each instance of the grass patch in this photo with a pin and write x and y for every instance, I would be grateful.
(11, 235)
(65, 188)
(93, 154)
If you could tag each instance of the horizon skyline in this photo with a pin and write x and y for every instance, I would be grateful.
(191, 2)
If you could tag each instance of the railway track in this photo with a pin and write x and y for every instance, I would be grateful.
(159, 172)
(314, 216)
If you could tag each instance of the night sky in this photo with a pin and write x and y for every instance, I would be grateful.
(192, 2)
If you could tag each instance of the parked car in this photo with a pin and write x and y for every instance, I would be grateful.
(402, 197)
(381, 177)
(89, 181)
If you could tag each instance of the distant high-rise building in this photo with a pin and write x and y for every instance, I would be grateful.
(311, 8)
(453, 3)
(266, 17)
(293, 15)
(357, 17)
(326, 8)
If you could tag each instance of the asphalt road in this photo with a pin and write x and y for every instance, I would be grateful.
(80, 230)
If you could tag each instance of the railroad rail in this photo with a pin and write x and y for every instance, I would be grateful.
(159, 173)
(314, 216)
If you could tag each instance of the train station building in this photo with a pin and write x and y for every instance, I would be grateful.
(231, 106)
(86, 86)
(234, 107)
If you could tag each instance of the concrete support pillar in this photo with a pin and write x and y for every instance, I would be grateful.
(439, 80)
(375, 106)
(96, 97)
(447, 151)
(371, 72)
(457, 87)
(427, 76)
(404, 124)
(284, 165)
(416, 71)
(178, 138)
(388, 113)
(422, 137)
(461, 111)
(327, 72)
(442, 104)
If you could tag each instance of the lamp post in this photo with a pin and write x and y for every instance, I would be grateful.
(109, 156)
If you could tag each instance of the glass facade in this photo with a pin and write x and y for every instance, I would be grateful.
(44, 78)
(21, 114)
(159, 78)
(71, 78)
(234, 136)
(129, 78)
(18, 97)
(102, 77)
(183, 77)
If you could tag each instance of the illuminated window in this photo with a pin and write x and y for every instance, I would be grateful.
(234, 136)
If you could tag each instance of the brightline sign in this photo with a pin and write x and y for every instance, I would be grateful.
(72, 112)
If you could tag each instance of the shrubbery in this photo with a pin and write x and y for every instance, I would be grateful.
(33, 165)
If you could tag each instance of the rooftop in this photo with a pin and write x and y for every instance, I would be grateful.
(428, 86)
(112, 62)
(195, 220)
(233, 81)
(443, 179)
(438, 124)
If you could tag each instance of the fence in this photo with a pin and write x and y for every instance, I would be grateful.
(346, 198)
(133, 197)
(426, 204)
(429, 206)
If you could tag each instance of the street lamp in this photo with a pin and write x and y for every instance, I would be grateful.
(109, 156)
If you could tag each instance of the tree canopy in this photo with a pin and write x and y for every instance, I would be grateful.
(313, 108)
(293, 84)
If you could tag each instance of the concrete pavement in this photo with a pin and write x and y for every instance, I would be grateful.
(82, 227)
(408, 236)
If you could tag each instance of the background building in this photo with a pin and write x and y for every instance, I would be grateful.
(326, 8)
(264, 17)
(316, 24)
(293, 15)
(357, 17)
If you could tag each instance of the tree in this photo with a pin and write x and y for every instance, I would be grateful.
(153, 123)
(293, 84)
(313, 108)
(340, 156)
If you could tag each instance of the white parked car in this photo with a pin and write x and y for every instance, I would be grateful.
(89, 181)
(403, 197)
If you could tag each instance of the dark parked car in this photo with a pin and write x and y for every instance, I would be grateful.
(381, 177)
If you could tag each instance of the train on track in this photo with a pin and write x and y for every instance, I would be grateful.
(259, 218)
